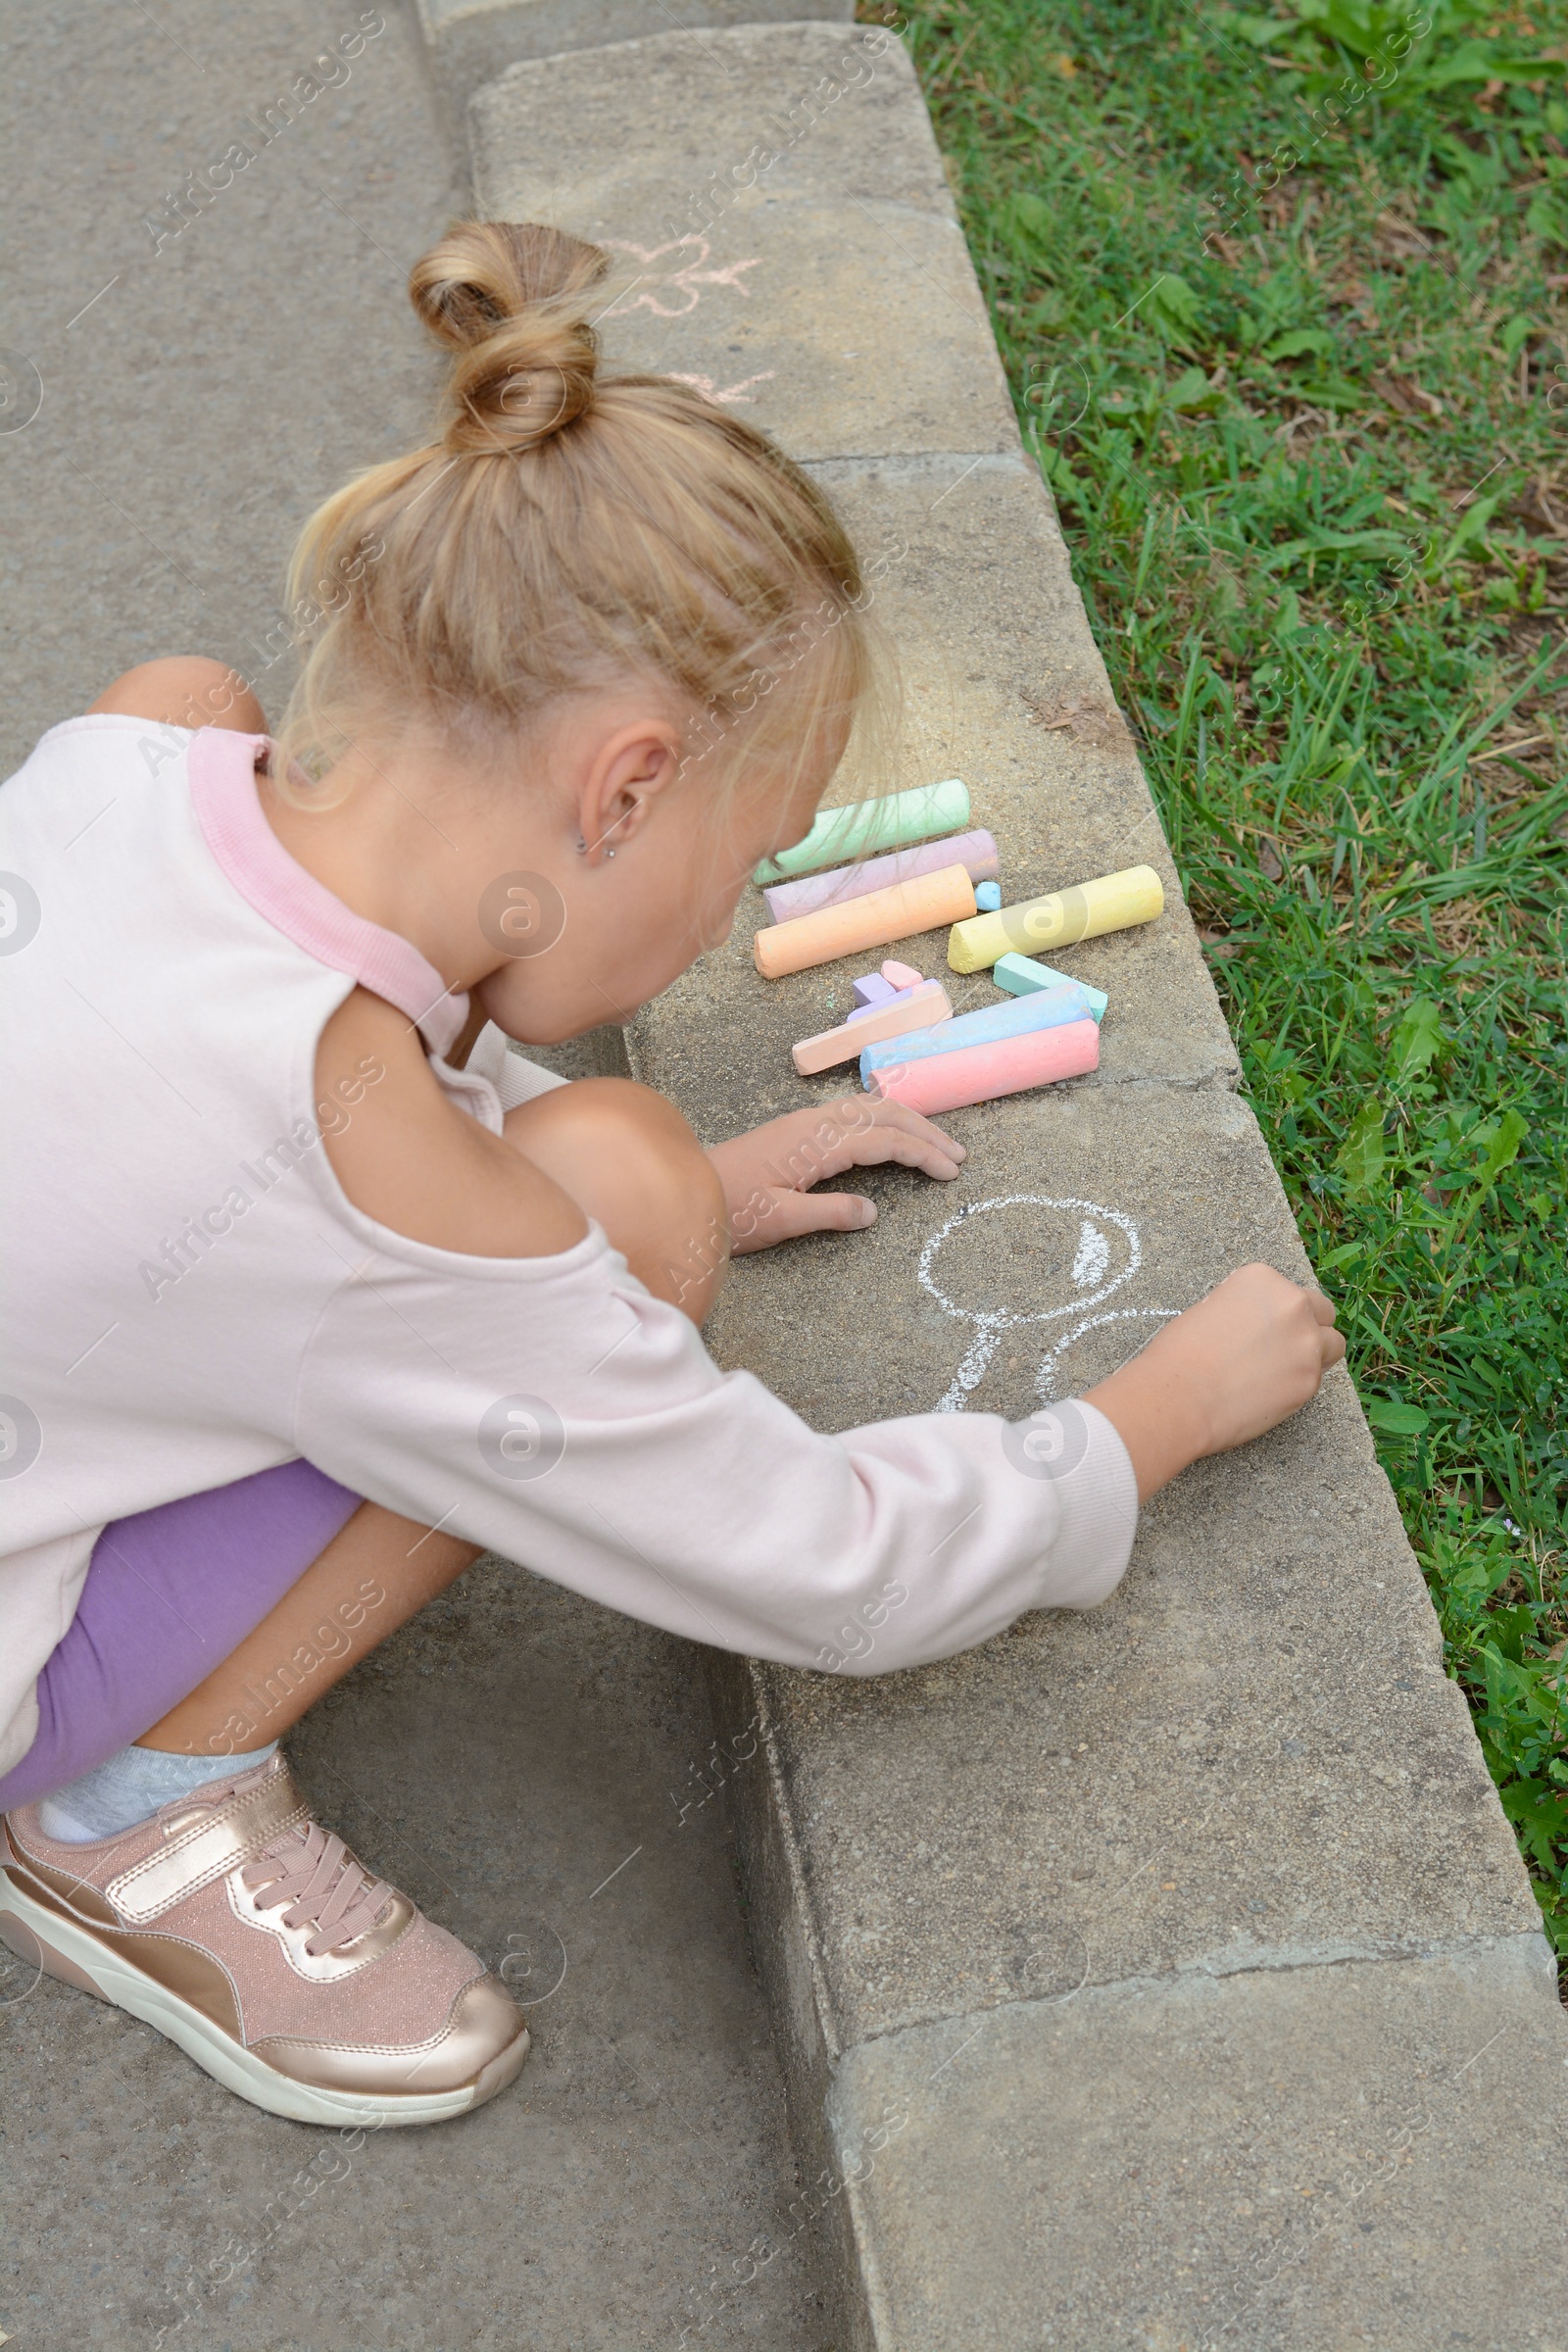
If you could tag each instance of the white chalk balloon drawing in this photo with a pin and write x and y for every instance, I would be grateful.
(1091, 1277)
(1093, 1258)
(1047, 1387)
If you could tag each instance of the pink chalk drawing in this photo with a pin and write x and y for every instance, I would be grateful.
(688, 281)
(733, 394)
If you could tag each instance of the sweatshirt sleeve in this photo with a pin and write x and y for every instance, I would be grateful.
(551, 1410)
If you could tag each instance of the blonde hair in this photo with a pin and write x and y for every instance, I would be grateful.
(570, 530)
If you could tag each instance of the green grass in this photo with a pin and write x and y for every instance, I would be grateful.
(1281, 301)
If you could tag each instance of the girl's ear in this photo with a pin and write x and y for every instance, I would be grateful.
(627, 773)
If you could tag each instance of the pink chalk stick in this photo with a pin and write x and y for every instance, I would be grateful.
(901, 975)
(921, 1008)
(980, 1074)
(977, 851)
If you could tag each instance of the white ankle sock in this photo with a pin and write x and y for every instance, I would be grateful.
(130, 1788)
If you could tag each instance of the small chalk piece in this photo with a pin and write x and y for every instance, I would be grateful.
(981, 1073)
(874, 988)
(988, 897)
(1111, 902)
(875, 921)
(903, 975)
(863, 828)
(977, 851)
(917, 1010)
(1017, 1016)
(1021, 976)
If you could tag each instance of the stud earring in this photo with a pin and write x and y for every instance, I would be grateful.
(582, 848)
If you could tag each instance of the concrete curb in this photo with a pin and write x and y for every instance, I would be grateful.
(471, 41)
(1092, 1964)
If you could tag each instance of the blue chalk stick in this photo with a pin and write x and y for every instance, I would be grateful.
(1046, 1009)
(988, 897)
(1021, 976)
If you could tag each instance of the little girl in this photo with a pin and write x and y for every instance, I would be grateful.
(317, 1290)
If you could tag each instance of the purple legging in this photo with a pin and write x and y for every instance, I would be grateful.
(171, 1594)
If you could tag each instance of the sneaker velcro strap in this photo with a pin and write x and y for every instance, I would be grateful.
(209, 1848)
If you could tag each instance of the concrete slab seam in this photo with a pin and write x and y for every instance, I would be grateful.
(1218, 1081)
(1529, 1945)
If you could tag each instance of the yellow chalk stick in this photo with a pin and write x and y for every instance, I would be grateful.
(923, 904)
(921, 1008)
(1113, 903)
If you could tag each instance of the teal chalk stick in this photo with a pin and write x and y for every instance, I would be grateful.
(1046, 1008)
(1021, 976)
(866, 828)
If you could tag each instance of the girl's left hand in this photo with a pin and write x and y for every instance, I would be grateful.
(767, 1175)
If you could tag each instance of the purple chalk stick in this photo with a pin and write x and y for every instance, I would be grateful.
(892, 997)
(977, 851)
(871, 989)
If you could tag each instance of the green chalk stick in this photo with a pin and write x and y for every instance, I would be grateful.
(1022, 975)
(866, 828)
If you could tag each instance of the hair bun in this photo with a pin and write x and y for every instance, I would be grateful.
(506, 297)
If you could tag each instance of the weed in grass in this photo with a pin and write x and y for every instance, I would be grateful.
(1281, 299)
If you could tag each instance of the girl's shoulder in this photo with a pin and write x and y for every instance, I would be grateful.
(409, 1158)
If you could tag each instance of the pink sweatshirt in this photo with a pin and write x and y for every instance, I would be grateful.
(190, 1298)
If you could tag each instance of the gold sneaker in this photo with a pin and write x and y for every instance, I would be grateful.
(250, 1936)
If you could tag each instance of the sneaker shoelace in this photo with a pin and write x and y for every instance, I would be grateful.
(324, 1887)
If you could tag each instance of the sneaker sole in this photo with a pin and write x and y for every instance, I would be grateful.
(60, 1949)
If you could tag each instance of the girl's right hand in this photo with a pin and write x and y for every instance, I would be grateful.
(1239, 1362)
(768, 1173)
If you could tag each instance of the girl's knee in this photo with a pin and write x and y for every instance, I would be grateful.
(185, 689)
(629, 1160)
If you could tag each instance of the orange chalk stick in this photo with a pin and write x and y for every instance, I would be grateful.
(921, 1008)
(923, 904)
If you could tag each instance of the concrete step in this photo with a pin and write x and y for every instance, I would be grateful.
(1103, 1956)
(781, 225)
(471, 41)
